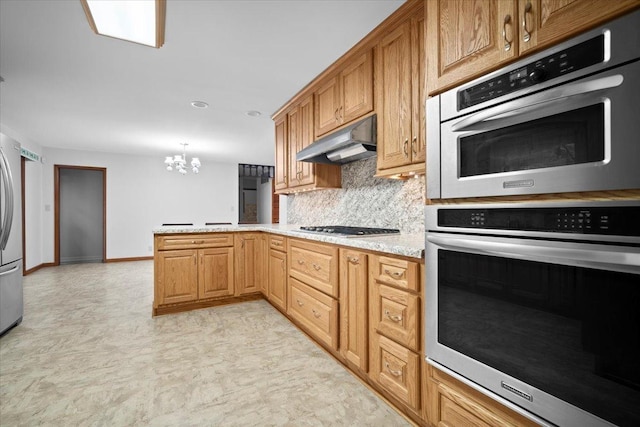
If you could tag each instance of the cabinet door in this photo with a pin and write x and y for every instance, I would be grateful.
(354, 308)
(418, 84)
(177, 276)
(278, 279)
(395, 97)
(215, 275)
(546, 22)
(305, 170)
(248, 263)
(282, 159)
(294, 145)
(327, 107)
(466, 39)
(263, 278)
(357, 88)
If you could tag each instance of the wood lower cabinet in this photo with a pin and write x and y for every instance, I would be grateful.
(249, 263)
(192, 269)
(176, 276)
(315, 311)
(467, 39)
(354, 308)
(453, 404)
(395, 340)
(277, 272)
(314, 264)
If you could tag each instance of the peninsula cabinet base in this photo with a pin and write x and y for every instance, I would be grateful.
(194, 305)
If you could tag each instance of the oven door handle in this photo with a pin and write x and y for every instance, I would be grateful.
(621, 259)
(539, 101)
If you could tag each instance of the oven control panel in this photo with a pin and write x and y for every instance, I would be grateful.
(619, 221)
(575, 58)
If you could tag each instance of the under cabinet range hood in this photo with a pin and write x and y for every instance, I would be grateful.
(354, 142)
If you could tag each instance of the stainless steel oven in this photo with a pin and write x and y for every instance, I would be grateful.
(563, 120)
(538, 306)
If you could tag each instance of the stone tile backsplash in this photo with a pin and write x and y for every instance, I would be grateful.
(363, 201)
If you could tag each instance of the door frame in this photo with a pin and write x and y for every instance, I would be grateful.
(56, 221)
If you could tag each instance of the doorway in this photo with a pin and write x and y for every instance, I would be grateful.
(80, 214)
(255, 191)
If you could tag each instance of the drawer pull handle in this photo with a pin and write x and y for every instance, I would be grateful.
(394, 274)
(317, 267)
(300, 303)
(507, 43)
(301, 262)
(315, 313)
(526, 34)
(393, 317)
(276, 243)
(391, 371)
(353, 260)
(197, 242)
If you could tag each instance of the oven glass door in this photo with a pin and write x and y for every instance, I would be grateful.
(572, 137)
(563, 328)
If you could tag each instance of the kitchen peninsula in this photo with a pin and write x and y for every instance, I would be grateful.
(358, 298)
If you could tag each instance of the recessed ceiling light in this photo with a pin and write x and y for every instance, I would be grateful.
(199, 104)
(254, 113)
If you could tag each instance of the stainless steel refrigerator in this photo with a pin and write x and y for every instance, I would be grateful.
(11, 301)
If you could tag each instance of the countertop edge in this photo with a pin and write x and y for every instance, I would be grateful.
(408, 245)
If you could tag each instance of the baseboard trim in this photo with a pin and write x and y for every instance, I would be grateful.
(138, 258)
(38, 267)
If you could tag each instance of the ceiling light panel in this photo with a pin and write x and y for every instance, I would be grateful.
(139, 21)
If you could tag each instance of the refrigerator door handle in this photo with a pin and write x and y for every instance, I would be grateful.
(7, 181)
(9, 271)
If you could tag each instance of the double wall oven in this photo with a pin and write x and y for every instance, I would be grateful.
(537, 304)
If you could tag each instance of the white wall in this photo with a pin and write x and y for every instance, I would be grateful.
(141, 195)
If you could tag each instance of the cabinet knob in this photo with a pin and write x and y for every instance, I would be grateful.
(353, 260)
(317, 267)
(300, 303)
(526, 35)
(315, 313)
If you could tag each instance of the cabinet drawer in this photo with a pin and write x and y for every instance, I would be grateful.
(184, 241)
(396, 369)
(396, 314)
(316, 265)
(279, 243)
(395, 272)
(317, 312)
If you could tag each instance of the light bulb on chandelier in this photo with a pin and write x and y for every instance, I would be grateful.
(179, 162)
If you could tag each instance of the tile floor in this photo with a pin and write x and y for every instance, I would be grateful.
(89, 353)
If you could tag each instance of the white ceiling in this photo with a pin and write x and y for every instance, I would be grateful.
(66, 87)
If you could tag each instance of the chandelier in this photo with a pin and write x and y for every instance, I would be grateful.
(179, 161)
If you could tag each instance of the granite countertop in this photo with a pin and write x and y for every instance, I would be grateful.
(409, 245)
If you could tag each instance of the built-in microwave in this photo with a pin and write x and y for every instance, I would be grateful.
(564, 120)
(537, 305)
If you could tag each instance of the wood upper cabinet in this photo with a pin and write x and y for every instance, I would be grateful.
(345, 97)
(300, 136)
(249, 263)
(282, 154)
(354, 308)
(400, 96)
(470, 38)
(294, 131)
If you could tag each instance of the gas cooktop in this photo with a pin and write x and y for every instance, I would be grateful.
(349, 231)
